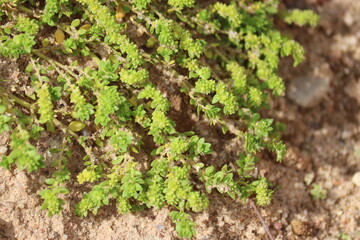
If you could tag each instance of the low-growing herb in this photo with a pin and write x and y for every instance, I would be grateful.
(100, 75)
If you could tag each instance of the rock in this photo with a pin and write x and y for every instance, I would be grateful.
(3, 150)
(348, 19)
(301, 228)
(356, 179)
(278, 226)
(309, 177)
(353, 90)
(160, 226)
(307, 90)
(346, 134)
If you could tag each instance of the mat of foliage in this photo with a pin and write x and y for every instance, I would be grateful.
(101, 78)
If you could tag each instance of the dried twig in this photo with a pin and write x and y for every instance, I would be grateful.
(261, 219)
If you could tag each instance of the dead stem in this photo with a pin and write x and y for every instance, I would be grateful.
(261, 220)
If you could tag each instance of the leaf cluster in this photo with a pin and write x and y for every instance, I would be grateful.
(100, 75)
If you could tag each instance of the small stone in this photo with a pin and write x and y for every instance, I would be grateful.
(348, 19)
(309, 177)
(160, 226)
(307, 90)
(356, 179)
(346, 134)
(301, 228)
(278, 226)
(336, 55)
(140, 31)
(3, 150)
(353, 90)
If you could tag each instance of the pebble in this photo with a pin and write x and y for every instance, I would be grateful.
(278, 226)
(356, 179)
(300, 228)
(348, 19)
(353, 90)
(309, 177)
(160, 226)
(346, 134)
(307, 90)
(3, 150)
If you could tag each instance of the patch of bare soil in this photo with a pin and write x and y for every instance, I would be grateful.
(322, 137)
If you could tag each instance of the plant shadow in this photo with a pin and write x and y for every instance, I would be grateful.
(7, 231)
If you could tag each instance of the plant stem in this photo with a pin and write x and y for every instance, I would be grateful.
(14, 98)
(261, 220)
(32, 13)
(24, 9)
(54, 121)
(66, 130)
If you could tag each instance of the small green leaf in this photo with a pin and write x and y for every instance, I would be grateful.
(82, 31)
(29, 68)
(75, 23)
(7, 30)
(55, 93)
(150, 42)
(45, 42)
(76, 126)
(2, 109)
(49, 181)
(99, 142)
(54, 150)
(134, 150)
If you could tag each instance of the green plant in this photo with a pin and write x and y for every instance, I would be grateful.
(318, 192)
(94, 82)
(344, 236)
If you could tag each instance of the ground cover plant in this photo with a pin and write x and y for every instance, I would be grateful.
(93, 70)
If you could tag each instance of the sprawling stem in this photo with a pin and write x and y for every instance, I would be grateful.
(61, 126)
(14, 98)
